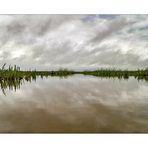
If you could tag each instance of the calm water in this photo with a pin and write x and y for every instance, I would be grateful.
(76, 104)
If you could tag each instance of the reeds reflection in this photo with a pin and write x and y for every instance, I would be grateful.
(15, 83)
(12, 77)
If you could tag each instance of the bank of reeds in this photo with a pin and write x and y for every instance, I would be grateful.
(14, 72)
(12, 77)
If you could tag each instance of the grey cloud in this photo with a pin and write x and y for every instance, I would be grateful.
(68, 41)
(26, 28)
(63, 55)
(51, 54)
(5, 55)
(118, 59)
(112, 27)
(108, 16)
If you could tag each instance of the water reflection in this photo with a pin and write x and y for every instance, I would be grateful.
(76, 104)
(15, 83)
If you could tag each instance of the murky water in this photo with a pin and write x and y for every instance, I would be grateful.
(76, 104)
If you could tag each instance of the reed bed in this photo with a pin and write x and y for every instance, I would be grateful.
(12, 77)
(15, 73)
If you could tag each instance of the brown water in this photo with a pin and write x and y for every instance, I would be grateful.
(76, 104)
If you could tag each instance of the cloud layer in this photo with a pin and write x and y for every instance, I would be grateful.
(74, 41)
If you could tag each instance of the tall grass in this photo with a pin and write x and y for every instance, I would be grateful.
(14, 73)
(12, 77)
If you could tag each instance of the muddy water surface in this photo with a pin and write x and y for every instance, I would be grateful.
(75, 104)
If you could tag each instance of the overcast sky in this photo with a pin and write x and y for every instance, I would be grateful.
(74, 41)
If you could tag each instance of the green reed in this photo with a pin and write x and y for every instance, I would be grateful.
(13, 77)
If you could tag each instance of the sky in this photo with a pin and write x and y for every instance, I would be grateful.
(77, 42)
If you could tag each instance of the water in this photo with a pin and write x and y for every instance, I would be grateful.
(75, 104)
